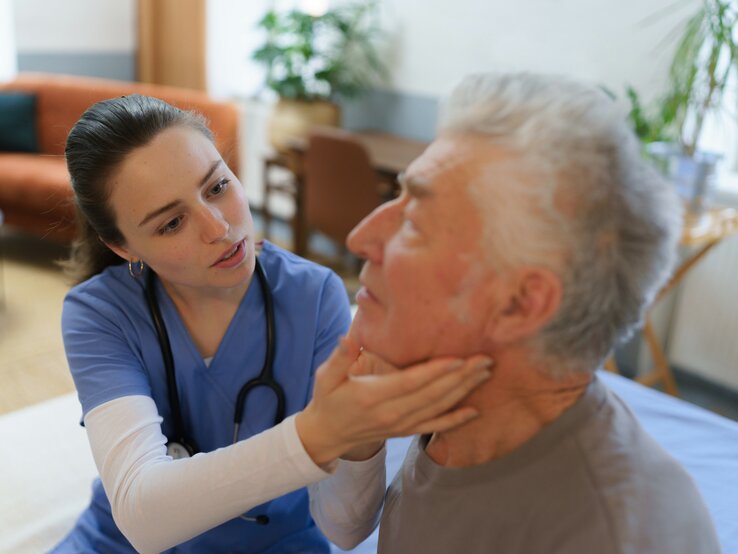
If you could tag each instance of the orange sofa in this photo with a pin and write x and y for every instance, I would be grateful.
(35, 193)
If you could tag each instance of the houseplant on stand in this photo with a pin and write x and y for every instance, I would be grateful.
(704, 64)
(312, 60)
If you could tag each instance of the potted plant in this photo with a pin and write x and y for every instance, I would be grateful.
(311, 61)
(704, 63)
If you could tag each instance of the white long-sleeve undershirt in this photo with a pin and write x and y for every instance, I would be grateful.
(158, 502)
(347, 505)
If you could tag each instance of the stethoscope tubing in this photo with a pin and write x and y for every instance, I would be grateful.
(166, 353)
(264, 379)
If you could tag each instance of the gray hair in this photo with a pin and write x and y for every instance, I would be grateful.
(587, 206)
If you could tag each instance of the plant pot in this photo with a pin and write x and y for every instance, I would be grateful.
(294, 118)
(693, 176)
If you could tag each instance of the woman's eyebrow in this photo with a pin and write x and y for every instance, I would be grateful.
(151, 215)
(210, 172)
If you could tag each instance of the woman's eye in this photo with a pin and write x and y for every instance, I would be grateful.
(171, 226)
(219, 187)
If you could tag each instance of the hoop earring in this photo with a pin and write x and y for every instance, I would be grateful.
(136, 273)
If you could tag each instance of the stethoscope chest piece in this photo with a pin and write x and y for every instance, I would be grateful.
(178, 451)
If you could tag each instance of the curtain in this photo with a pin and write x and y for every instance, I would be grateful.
(172, 43)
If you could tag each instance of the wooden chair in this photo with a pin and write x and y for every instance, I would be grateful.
(341, 186)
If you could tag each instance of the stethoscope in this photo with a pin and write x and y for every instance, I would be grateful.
(180, 446)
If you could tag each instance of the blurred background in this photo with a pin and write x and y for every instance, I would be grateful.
(383, 67)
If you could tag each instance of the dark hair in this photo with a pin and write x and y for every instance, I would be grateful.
(97, 144)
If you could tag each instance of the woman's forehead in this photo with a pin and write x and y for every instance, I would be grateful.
(163, 171)
(174, 153)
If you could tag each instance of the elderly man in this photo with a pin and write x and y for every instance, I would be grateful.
(532, 232)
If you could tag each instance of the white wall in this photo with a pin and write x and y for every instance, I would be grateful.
(231, 38)
(607, 42)
(8, 57)
(432, 43)
(75, 25)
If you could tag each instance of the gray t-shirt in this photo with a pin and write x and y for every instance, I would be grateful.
(592, 481)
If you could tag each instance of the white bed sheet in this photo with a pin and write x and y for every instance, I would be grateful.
(46, 468)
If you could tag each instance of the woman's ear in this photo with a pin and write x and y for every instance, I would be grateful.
(527, 301)
(120, 250)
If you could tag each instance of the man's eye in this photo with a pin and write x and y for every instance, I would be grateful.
(219, 187)
(409, 226)
(171, 226)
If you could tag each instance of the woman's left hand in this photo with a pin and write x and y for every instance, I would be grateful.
(359, 400)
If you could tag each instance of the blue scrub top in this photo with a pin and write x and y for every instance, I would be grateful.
(113, 351)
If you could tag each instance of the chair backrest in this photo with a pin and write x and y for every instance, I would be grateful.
(341, 187)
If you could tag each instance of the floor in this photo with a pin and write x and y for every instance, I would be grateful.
(32, 288)
(32, 363)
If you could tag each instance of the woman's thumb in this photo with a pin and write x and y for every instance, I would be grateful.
(335, 369)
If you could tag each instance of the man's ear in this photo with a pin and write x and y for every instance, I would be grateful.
(526, 302)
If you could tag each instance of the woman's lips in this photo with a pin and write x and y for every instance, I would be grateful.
(232, 257)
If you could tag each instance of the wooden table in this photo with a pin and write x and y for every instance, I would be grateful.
(700, 235)
(389, 154)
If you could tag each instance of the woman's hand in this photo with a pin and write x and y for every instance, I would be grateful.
(360, 400)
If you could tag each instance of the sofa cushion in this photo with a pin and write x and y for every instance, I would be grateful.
(36, 195)
(36, 184)
(63, 98)
(18, 122)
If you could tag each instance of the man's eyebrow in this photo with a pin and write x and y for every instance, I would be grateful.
(417, 188)
(170, 205)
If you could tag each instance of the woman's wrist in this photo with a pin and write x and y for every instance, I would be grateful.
(317, 442)
(363, 452)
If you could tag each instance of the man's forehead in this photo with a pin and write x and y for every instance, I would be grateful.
(453, 159)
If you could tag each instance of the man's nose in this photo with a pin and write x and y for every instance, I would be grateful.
(213, 226)
(368, 238)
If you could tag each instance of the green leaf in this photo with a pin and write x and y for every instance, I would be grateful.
(334, 54)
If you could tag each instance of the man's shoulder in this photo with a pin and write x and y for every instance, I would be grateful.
(605, 487)
(648, 499)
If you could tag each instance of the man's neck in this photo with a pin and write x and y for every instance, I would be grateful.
(514, 406)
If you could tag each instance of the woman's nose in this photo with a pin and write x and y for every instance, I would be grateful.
(214, 226)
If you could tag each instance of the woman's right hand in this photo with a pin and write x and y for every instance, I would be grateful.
(359, 400)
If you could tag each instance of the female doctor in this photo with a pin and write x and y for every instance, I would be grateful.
(209, 392)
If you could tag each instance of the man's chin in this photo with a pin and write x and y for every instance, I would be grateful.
(372, 337)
